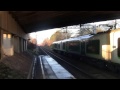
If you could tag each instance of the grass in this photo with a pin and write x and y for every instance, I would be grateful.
(7, 73)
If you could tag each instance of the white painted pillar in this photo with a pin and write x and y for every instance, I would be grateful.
(8, 47)
(1, 42)
(18, 44)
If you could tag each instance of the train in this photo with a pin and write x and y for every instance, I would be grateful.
(104, 47)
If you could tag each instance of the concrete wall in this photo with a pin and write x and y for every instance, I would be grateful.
(9, 24)
(12, 37)
(16, 43)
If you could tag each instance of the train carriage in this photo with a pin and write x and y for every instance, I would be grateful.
(98, 46)
(63, 46)
(77, 45)
(56, 46)
(104, 47)
(73, 46)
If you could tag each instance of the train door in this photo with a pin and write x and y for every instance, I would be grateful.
(115, 43)
(83, 48)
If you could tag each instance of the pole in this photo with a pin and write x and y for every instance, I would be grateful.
(80, 30)
(66, 32)
(36, 38)
(115, 24)
(36, 42)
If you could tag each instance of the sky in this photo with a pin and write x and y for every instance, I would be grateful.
(41, 35)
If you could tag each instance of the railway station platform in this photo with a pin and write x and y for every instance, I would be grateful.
(53, 70)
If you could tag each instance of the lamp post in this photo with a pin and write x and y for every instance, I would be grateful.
(36, 38)
(36, 43)
(66, 33)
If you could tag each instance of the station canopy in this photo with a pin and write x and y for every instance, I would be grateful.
(32, 21)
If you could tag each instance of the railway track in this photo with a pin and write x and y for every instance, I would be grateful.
(76, 71)
(43, 68)
(80, 70)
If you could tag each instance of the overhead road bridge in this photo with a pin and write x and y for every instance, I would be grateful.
(15, 25)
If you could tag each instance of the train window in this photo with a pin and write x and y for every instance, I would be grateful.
(74, 46)
(64, 46)
(118, 47)
(58, 46)
(55, 45)
(93, 46)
